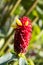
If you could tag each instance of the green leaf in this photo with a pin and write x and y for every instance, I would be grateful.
(7, 58)
(30, 62)
(22, 61)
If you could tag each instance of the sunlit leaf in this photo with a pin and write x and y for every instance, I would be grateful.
(7, 58)
(22, 61)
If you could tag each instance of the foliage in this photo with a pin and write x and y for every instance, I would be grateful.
(9, 10)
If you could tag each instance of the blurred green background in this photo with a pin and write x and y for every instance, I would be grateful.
(9, 10)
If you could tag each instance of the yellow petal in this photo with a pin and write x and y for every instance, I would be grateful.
(14, 26)
(18, 22)
(26, 24)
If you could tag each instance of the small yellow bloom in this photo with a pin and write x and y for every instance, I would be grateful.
(18, 22)
(26, 24)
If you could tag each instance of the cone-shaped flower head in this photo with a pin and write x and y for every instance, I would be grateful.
(22, 35)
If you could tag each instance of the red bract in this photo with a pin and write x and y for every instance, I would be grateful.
(22, 36)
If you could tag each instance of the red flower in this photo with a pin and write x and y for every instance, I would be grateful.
(22, 35)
